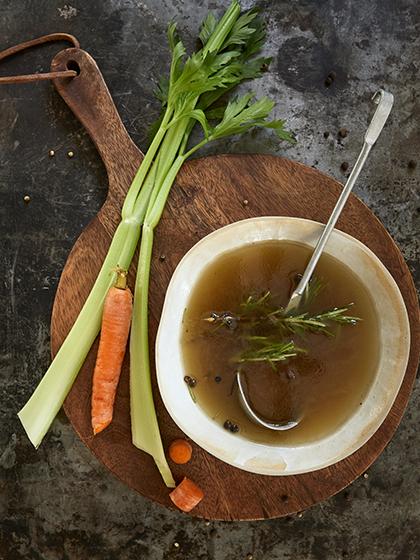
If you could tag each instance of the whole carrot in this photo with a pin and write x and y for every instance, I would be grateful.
(116, 320)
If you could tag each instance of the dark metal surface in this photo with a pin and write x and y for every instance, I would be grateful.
(59, 502)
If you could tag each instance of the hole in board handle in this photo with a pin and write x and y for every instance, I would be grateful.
(73, 65)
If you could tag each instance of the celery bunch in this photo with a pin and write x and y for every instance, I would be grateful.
(188, 96)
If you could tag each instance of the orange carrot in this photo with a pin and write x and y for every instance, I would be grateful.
(116, 319)
(186, 495)
(180, 451)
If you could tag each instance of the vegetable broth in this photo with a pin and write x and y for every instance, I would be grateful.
(323, 386)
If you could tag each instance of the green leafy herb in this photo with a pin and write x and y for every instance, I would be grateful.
(314, 288)
(242, 29)
(262, 311)
(261, 315)
(268, 349)
(319, 323)
(242, 113)
(207, 28)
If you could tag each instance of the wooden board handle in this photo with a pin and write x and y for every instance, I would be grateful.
(88, 97)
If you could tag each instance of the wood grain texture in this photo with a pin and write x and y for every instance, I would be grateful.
(209, 193)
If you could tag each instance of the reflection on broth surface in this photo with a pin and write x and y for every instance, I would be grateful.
(323, 385)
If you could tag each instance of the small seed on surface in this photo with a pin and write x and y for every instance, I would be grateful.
(162, 258)
(300, 515)
(27, 199)
(366, 475)
(249, 557)
(245, 202)
(330, 78)
(70, 154)
(176, 544)
(218, 379)
(51, 153)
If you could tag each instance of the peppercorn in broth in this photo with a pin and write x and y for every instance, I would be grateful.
(234, 320)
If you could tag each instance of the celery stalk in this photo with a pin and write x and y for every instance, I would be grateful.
(144, 424)
(47, 399)
(139, 178)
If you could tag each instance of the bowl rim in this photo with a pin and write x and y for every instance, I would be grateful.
(259, 457)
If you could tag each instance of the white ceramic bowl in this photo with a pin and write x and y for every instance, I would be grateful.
(394, 345)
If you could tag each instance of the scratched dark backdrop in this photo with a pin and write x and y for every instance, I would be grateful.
(59, 502)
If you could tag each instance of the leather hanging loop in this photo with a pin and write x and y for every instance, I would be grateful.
(52, 37)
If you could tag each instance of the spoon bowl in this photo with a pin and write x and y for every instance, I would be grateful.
(257, 418)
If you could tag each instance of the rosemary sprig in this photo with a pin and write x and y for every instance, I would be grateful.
(314, 288)
(262, 312)
(256, 306)
(317, 324)
(268, 349)
(267, 329)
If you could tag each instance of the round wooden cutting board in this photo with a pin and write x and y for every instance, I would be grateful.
(209, 193)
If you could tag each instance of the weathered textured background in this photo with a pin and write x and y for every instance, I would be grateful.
(59, 502)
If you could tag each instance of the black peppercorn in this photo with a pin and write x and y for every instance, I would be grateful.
(190, 381)
(231, 426)
(218, 379)
(227, 425)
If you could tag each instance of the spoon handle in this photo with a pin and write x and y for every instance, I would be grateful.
(385, 101)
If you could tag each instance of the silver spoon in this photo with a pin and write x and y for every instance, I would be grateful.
(384, 101)
(278, 426)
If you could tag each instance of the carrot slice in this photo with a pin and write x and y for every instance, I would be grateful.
(116, 320)
(186, 495)
(180, 451)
